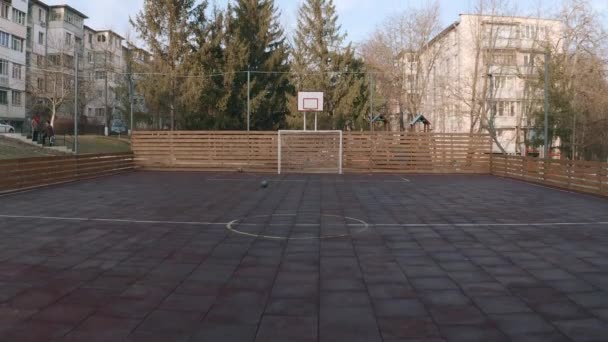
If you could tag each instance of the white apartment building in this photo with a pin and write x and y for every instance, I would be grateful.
(13, 30)
(104, 68)
(36, 45)
(478, 52)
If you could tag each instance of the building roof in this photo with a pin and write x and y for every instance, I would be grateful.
(420, 118)
(39, 3)
(86, 27)
(508, 16)
(71, 9)
(114, 33)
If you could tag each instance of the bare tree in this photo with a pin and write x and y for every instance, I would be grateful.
(52, 79)
(400, 54)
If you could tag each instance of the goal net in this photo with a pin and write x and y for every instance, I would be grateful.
(310, 151)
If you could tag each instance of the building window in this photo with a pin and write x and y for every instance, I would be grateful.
(17, 44)
(40, 38)
(99, 111)
(503, 59)
(100, 75)
(56, 15)
(99, 93)
(54, 60)
(90, 57)
(16, 98)
(3, 67)
(40, 16)
(3, 97)
(89, 111)
(4, 9)
(68, 38)
(4, 39)
(16, 71)
(18, 16)
(90, 39)
(534, 32)
(39, 60)
(529, 60)
(40, 83)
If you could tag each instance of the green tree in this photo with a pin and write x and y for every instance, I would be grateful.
(321, 62)
(256, 42)
(166, 27)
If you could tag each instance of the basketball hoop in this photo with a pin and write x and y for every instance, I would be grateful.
(310, 102)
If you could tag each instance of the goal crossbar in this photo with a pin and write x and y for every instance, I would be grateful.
(281, 146)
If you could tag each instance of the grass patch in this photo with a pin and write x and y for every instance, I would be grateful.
(14, 149)
(100, 144)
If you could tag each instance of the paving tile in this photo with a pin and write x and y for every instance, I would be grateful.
(561, 310)
(408, 328)
(348, 324)
(467, 333)
(99, 323)
(287, 328)
(445, 298)
(399, 308)
(434, 283)
(180, 302)
(484, 289)
(522, 323)
(224, 332)
(591, 300)
(64, 313)
(458, 315)
(501, 305)
(292, 307)
(584, 329)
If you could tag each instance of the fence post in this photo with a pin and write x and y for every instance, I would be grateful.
(569, 167)
(601, 175)
(546, 164)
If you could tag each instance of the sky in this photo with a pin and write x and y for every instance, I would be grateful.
(358, 17)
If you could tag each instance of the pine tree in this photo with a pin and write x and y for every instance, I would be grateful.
(166, 27)
(255, 41)
(321, 62)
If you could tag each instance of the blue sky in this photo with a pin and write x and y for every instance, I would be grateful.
(357, 17)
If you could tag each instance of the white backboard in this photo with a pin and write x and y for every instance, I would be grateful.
(310, 101)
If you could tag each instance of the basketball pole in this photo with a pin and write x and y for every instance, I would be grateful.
(316, 121)
(304, 120)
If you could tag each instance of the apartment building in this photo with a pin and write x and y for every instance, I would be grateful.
(13, 31)
(481, 76)
(105, 68)
(36, 50)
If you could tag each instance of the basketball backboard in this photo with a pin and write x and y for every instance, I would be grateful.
(310, 101)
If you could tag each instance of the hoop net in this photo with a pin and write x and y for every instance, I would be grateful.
(310, 151)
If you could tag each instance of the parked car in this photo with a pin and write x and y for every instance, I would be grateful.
(118, 126)
(5, 128)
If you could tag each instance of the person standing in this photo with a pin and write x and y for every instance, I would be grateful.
(35, 127)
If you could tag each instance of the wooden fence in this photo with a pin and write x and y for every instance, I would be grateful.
(19, 174)
(362, 151)
(583, 176)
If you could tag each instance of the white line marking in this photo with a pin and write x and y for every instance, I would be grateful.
(84, 219)
(310, 181)
(362, 223)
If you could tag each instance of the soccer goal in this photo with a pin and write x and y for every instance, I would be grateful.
(310, 151)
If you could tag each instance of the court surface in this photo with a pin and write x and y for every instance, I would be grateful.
(152, 256)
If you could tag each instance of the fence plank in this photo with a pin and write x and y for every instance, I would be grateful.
(19, 174)
(583, 176)
(362, 151)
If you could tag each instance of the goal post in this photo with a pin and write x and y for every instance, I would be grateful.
(309, 151)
